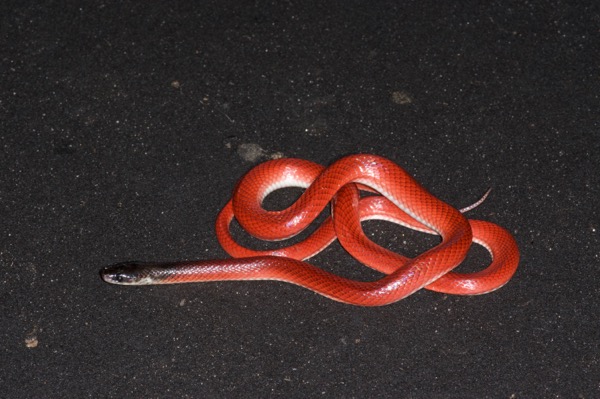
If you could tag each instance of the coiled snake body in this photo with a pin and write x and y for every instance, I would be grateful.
(401, 200)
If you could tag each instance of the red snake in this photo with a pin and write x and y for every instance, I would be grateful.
(401, 200)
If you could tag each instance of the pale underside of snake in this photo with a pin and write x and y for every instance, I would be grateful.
(397, 198)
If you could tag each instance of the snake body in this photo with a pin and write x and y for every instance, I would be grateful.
(401, 199)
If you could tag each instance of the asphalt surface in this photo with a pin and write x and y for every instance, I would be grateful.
(125, 126)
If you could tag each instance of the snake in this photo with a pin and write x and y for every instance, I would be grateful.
(357, 188)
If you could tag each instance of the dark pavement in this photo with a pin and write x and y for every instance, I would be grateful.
(124, 126)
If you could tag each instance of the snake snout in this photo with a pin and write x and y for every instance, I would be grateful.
(126, 273)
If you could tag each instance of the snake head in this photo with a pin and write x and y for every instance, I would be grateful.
(127, 273)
